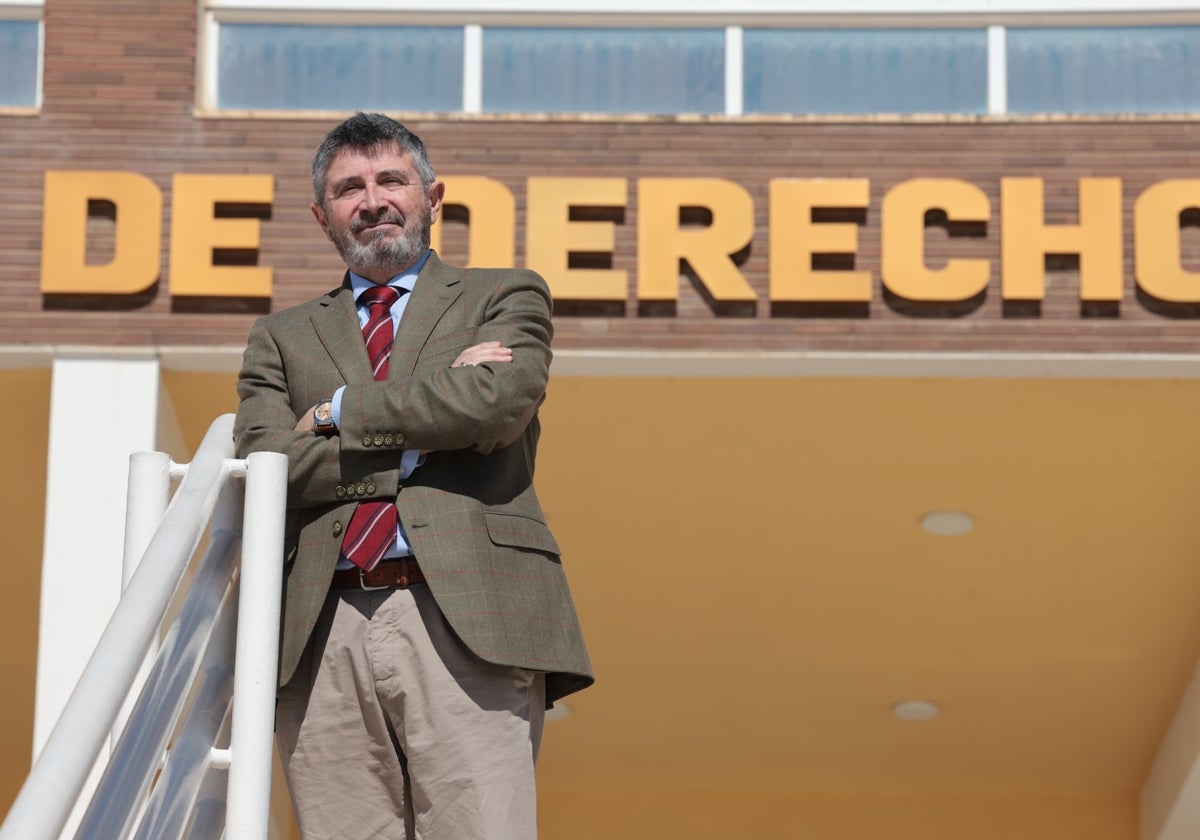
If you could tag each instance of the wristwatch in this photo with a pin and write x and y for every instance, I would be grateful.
(323, 418)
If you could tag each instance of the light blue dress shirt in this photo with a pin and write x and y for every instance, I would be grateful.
(410, 459)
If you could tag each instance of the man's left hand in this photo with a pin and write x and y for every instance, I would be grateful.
(488, 351)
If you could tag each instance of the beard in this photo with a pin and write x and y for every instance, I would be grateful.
(381, 252)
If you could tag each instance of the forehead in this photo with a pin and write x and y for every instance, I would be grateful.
(356, 162)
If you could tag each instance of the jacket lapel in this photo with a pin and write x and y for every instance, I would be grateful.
(336, 323)
(437, 287)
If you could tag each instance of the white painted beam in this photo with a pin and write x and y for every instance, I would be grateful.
(749, 363)
(651, 362)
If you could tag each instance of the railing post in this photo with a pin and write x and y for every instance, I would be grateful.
(146, 500)
(43, 806)
(257, 659)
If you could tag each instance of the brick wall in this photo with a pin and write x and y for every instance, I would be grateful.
(120, 90)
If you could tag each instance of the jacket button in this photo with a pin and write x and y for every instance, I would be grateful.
(388, 440)
(337, 528)
(370, 489)
(350, 490)
(340, 492)
(368, 440)
(399, 439)
(361, 489)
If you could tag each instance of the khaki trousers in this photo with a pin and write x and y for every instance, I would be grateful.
(391, 728)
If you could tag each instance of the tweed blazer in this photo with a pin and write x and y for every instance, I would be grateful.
(470, 511)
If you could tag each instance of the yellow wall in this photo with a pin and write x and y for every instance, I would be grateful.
(764, 815)
(23, 450)
(639, 477)
(196, 400)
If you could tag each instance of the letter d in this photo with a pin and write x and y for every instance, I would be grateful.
(137, 245)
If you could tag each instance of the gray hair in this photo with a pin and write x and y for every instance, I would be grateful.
(364, 132)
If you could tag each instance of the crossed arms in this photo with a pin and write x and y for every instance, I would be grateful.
(482, 400)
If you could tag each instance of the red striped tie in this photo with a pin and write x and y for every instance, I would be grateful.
(372, 528)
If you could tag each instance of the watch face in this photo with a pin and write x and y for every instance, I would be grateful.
(323, 412)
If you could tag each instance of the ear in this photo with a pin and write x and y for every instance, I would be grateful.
(319, 214)
(437, 191)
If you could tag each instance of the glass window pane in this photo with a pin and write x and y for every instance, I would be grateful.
(1152, 69)
(639, 71)
(340, 67)
(865, 71)
(18, 62)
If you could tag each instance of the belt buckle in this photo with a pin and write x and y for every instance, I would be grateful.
(362, 583)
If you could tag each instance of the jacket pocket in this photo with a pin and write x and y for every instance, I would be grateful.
(518, 531)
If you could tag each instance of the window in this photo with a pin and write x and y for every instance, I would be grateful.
(20, 56)
(865, 71)
(1133, 70)
(274, 67)
(646, 71)
(703, 57)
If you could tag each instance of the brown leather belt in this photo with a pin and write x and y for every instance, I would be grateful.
(391, 572)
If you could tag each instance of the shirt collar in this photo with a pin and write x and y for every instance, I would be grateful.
(405, 280)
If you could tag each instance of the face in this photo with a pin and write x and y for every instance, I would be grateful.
(376, 210)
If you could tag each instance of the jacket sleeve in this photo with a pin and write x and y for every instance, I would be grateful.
(266, 420)
(482, 407)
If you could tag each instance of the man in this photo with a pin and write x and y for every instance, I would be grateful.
(426, 617)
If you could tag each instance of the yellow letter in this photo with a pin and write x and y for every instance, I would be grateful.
(1026, 239)
(491, 219)
(551, 236)
(1156, 246)
(903, 246)
(137, 243)
(795, 238)
(195, 232)
(662, 241)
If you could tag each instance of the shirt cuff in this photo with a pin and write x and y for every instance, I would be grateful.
(410, 459)
(336, 408)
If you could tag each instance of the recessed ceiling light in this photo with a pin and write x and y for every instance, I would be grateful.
(558, 711)
(947, 523)
(915, 710)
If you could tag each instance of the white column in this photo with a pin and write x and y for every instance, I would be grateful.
(734, 71)
(472, 68)
(101, 411)
(997, 49)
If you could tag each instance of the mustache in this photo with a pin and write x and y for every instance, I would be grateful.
(363, 222)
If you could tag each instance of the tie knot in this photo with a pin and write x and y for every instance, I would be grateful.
(386, 295)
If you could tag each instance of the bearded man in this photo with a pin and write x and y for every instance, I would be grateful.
(427, 621)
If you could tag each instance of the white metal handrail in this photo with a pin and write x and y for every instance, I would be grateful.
(199, 643)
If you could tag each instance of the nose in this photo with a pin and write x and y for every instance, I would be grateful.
(373, 197)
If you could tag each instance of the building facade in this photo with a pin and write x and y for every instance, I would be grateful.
(821, 271)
